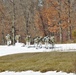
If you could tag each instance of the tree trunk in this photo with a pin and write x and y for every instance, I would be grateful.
(61, 36)
(69, 22)
(13, 24)
(60, 28)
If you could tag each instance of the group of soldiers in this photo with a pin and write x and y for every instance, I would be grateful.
(47, 41)
(9, 41)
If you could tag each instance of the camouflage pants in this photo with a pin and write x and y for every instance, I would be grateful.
(8, 42)
(27, 44)
(35, 44)
(46, 44)
(40, 45)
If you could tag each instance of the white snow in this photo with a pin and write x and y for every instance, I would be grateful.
(35, 73)
(20, 48)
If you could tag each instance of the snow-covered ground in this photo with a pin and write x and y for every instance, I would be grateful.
(35, 73)
(7, 50)
(18, 48)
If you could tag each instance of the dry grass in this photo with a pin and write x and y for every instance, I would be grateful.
(46, 61)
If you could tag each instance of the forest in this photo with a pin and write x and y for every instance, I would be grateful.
(38, 18)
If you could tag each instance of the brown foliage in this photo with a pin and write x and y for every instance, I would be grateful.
(37, 20)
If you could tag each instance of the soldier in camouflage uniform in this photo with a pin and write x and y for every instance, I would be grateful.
(52, 41)
(36, 39)
(46, 42)
(8, 39)
(28, 40)
(40, 42)
(17, 37)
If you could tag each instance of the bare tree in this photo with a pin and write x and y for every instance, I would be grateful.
(69, 20)
(44, 26)
(3, 37)
(26, 14)
(60, 21)
(13, 22)
(3, 17)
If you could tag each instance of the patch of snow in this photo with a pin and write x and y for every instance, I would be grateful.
(19, 44)
(35, 73)
(21, 48)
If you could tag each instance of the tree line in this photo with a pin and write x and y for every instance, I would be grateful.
(37, 18)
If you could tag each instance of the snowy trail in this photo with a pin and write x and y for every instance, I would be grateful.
(6, 50)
